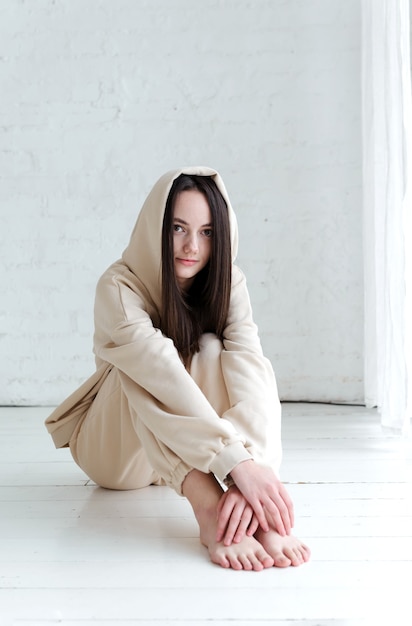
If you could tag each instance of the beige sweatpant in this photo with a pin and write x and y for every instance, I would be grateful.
(117, 451)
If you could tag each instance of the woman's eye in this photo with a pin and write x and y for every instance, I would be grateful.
(208, 232)
(177, 228)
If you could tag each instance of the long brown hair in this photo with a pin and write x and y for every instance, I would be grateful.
(185, 316)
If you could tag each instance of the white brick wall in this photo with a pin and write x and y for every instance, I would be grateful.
(100, 97)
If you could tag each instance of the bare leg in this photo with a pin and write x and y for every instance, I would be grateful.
(285, 551)
(204, 492)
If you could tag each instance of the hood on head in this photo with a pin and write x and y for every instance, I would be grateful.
(143, 253)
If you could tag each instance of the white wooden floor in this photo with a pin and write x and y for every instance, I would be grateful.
(72, 553)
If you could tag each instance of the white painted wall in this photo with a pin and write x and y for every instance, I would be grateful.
(99, 98)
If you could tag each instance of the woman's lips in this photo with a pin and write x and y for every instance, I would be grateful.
(187, 262)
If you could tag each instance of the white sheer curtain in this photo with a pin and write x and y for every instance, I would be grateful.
(387, 178)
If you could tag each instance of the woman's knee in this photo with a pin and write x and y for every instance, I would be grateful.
(206, 371)
(210, 347)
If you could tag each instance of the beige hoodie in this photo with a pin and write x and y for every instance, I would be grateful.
(157, 385)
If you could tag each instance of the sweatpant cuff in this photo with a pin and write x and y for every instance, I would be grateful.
(176, 480)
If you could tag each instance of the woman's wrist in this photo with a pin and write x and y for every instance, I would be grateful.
(240, 469)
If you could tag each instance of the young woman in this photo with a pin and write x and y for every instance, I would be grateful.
(182, 394)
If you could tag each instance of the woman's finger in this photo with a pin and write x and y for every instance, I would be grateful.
(244, 523)
(275, 513)
(221, 502)
(223, 518)
(260, 514)
(234, 522)
(288, 501)
(286, 513)
(280, 500)
(253, 526)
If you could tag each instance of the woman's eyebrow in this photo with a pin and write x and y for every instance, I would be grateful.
(178, 219)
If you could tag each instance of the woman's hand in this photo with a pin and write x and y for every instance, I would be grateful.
(235, 517)
(266, 495)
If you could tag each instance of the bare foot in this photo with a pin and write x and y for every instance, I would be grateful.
(248, 554)
(285, 551)
(204, 492)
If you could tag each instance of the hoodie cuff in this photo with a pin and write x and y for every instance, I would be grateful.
(228, 458)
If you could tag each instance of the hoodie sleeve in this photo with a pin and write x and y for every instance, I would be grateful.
(250, 380)
(162, 392)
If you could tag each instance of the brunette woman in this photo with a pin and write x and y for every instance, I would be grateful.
(182, 394)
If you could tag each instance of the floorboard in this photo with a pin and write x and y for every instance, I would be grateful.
(74, 554)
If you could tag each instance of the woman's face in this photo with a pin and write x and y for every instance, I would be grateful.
(192, 235)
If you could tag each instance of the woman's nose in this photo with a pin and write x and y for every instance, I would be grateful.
(191, 243)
